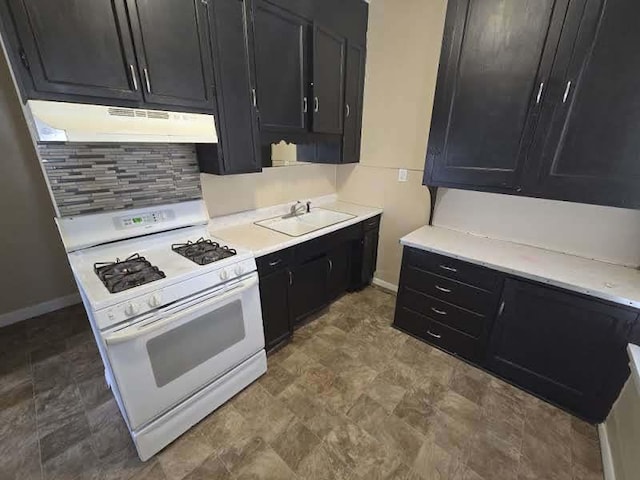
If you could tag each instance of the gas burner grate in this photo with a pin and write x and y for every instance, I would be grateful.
(131, 272)
(203, 251)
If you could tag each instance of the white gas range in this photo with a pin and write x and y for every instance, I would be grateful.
(175, 313)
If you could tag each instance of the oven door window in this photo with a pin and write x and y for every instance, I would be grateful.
(182, 349)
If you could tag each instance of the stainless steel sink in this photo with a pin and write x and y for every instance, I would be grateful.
(298, 225)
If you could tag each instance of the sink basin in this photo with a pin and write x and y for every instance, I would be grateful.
(305, 223)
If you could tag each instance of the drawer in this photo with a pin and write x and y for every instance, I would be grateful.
(451, 291)
(274, 261)
(371, 223)
(455, 269)
(322, 245)
(439, 335)
(458, 318)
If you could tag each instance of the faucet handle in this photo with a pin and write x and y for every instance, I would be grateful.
(308, 206)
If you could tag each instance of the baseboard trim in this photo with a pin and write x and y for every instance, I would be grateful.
(16, 316)
(386, 285)
(605, 449)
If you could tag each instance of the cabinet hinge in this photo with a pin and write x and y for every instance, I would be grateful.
(24, 60)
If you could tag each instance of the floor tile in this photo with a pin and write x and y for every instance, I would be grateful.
(320, 465)
(71, 463)
(55, 406)
(183, 456)
(211, 469)
(418, 406)
(74, 430)
(262, 463)
(295, 443)
(276, 379)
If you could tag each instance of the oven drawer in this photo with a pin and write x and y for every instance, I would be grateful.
(161, 359)
(463, 320)
(464, 272)
(439, 335)
(450, 291)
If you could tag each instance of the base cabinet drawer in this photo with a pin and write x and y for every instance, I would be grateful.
(440, 335)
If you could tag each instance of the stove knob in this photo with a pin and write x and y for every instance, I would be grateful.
(224, 275)
(238, 270)
(155, 300)
(131, 309)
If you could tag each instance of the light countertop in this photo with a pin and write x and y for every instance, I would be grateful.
(240, 229)
(610, 282)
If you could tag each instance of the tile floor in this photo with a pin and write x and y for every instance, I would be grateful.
(350, 398)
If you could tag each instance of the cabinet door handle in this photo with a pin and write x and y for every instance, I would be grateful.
(448, 269)
(442, 289)
(540, 89)
(566, 92)
(277, 262)
(330, 266)
(134, 77)
(316, 104)
(501, 308)
(439, 312)
(290, 278)
(348, 111)
(305, 106)
(146, 79)
(434, 335)
(254, 98)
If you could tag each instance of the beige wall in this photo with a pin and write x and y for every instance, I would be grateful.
(403, 49)
(237, 193)
(603, 233)
(31, 253)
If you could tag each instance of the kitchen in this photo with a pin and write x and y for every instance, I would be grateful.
(357, 381)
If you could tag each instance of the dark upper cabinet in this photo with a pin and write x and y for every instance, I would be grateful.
(281, 69)
(494, 60)
(238, 147)
(590, 152)
(75, 47)
(172, 45)
(566, 348)
(329, 51)
(354, 91)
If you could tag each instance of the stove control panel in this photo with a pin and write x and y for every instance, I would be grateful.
(144, 220)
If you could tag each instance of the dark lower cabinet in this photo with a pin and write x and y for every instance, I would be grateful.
(566, 348)
(274, 297)
(365, 255)
(309, 287)
(297, 282)
(339, 260)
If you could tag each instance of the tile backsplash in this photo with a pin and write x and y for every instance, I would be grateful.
(90, 178)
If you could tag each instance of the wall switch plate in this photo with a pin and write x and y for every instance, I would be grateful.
(402, 175)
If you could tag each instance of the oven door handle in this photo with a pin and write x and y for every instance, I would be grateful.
(132, 333)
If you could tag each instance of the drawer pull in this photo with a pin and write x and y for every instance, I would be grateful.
(442, 289)
(448, 269)
(433, 334)
(277, 262)
(439, 312)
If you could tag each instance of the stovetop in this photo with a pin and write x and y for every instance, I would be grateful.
(131, 272)
(203, 251)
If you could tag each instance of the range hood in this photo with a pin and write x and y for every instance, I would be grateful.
(75, 122)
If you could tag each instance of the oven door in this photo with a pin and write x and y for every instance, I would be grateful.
(165, 357)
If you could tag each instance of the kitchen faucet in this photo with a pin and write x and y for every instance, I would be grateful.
(298, 209)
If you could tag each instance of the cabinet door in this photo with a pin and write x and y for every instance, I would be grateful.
(591, 150)
(274, 297)
(562, 347)
(76, 47)
(172, 46)
(354, 90)
(339, 260)
(329, 51)
(495, 60)
(281, 69)
(237, 120)
(369, 256)
(308, 291)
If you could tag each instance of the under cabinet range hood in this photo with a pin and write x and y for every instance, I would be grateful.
(75, 122)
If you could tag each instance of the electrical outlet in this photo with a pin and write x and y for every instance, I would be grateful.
(402, 175)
